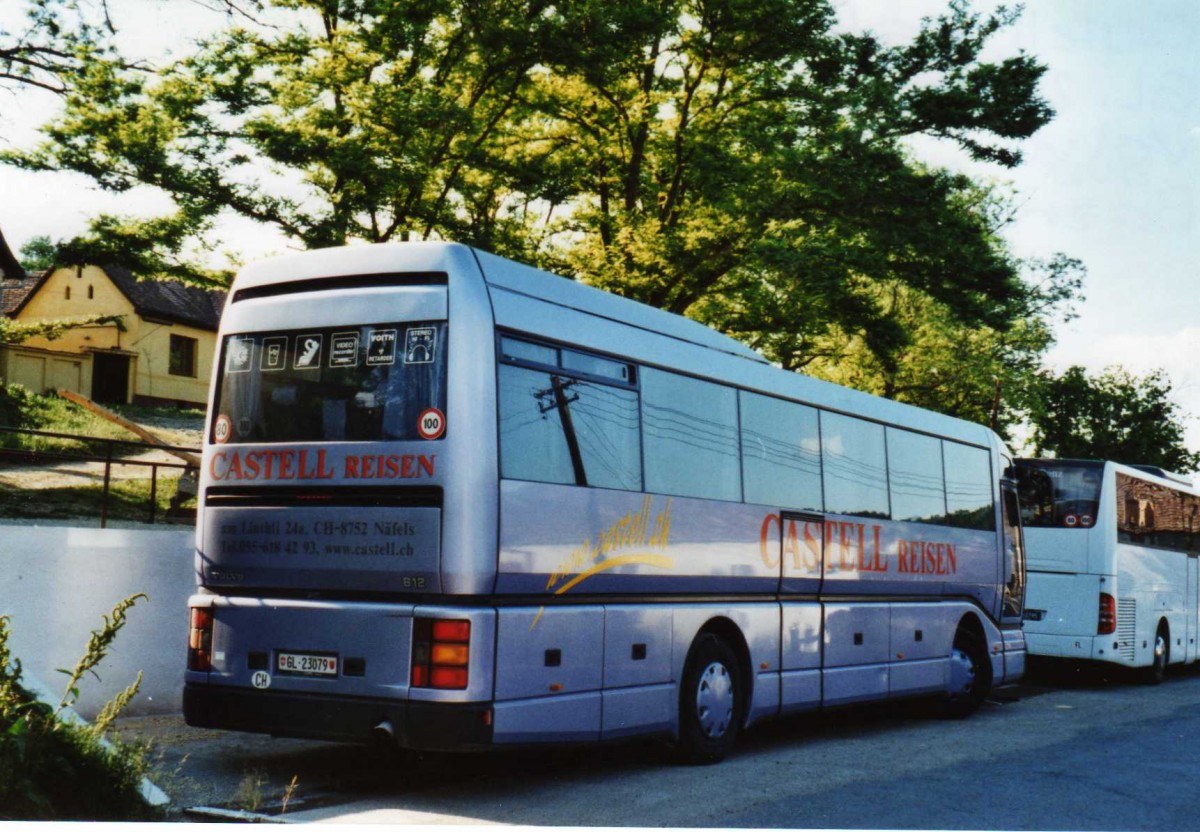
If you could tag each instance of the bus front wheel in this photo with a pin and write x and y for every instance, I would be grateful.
(970, 673)
(1162, 655)
(709, 702)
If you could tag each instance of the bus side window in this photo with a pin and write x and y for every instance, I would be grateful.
(854, 466)
(691, 437)
(559, 429)
(915, 477)
(781, 452)
(969, 501)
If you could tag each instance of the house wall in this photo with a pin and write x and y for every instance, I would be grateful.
(42, 370)
(150, 340)
(153, 379)
(51, 302)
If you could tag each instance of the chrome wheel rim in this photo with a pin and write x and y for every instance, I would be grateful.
(962, 673)
(1160, 651)
(714, 701)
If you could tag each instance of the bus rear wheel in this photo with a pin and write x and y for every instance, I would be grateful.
(710, 703)
(1157, 670)
(970, 674)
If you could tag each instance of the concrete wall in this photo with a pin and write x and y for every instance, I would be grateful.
(57, 582)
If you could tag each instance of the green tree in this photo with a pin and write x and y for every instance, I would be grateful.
(53, 45)
(1113, 415)
(37, 254)
(980, 373)
(347, 120)
(744, 164)
(737, 161)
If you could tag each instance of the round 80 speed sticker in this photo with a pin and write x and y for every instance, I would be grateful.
(431, 424)
(222, 429)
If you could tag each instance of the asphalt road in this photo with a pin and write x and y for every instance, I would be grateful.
(1062, 751)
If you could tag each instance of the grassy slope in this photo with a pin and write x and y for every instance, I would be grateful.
(128, 500)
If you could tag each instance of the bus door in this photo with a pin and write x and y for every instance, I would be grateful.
(802, 556)
(802, 570)
(1193, 605)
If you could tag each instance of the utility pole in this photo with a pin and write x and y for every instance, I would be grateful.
(562, 403)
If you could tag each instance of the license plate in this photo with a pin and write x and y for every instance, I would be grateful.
(306, 664)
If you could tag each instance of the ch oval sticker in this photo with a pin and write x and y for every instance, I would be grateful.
(431, 424)
(261, 679)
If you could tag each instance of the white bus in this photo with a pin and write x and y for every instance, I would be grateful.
(1112, 563)
(459, 503)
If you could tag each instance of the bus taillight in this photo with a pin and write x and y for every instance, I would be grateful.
(1107, 623)
(200, 639)
(441, 653)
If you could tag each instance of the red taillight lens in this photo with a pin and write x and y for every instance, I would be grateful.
(200, 639)
(441, 652)
(1107, 622)
(452, 631)
(449, 678)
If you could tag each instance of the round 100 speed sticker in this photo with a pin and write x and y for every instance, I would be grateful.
(431, 424)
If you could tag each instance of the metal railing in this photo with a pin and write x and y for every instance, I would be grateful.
(110, 457)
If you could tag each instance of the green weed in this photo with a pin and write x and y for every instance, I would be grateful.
(55, 768)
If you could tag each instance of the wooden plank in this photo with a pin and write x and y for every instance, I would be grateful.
(138, 430)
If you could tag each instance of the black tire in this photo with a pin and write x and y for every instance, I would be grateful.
(970, 674)
(1157, 671)
(710, 702)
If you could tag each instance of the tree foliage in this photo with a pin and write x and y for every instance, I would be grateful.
(740, 162)
(16, 332)
(54, 45)
(1112, 415)
(37, 254)
(975, 372)
(743, 163)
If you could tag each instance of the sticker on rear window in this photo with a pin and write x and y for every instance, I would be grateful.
(343, 349)
(308, 352)
(238, 360)
(419, 345)
(382, 347)
(274, 354)
(222, 429)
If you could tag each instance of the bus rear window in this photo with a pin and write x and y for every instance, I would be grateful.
(1059, 494)
(347, 383)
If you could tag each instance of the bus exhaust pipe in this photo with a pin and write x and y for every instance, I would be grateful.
(384, 733)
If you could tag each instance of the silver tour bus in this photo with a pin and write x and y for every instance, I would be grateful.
(458, 503)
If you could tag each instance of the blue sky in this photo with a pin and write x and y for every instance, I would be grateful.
(1114, 180)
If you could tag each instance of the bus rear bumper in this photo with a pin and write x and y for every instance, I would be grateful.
(1085, 648)
(426, 726)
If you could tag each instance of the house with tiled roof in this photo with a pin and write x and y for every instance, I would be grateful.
(14, 282)
(161, 351)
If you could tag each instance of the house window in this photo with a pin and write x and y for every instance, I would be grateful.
(183, 356)
(68, 297)
(91, 292)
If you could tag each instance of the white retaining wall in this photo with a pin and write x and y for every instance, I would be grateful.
(56, 583)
